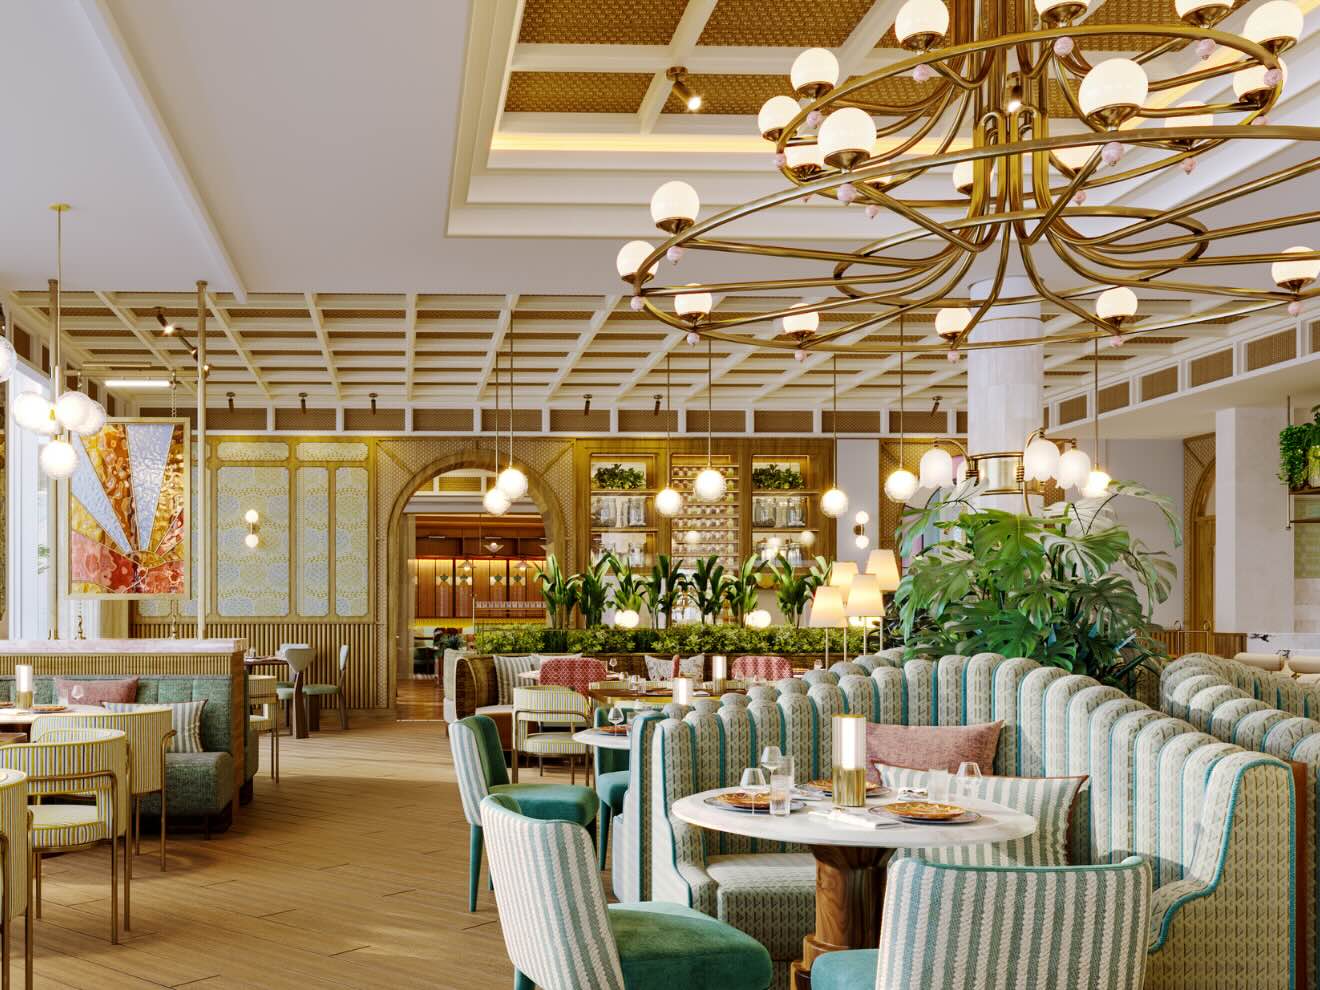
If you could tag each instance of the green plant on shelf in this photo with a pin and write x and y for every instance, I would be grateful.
(616, 477)
(772, 477)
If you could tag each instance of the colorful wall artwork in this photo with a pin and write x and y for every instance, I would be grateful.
(128, 511)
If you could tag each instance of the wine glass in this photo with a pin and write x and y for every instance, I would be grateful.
(772, 758)
(76, 694)
(614, 664)
(753, 781)
(616, 716)
(969, 773)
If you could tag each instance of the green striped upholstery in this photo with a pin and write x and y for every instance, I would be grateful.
(65, 753)
(507, 670)
(551, 706)
(145, 729)
(14, 827)
(187, 719)
(560, 935)
(958, 926)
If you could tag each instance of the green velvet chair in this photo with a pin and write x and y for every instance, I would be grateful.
(560, 934)
(611, 788)
(479, 764)
(315, 694)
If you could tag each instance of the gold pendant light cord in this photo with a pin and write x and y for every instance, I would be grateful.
(710, 397)
(669, 442)
(511, 346)
(902, 389)
(1095, 399)
(834, 414)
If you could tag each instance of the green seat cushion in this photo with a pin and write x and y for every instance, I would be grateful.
(611, 788)
(321, 689)
(284, 693)
(552, 802)
(848, 970)
(284, 684)
(663, 946)
(196, 783)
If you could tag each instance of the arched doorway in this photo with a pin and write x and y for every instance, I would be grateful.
(451, 564)
(1201, 552)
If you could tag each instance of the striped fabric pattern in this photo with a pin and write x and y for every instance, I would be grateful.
(562, 708)
(951, 926)
(145, 729)
(764, 667)
(14, 826)
(187, 721)
(507, 670)
(551, 903)
(472, 785)
(65, 826)
(1049, 800)
(64, 753)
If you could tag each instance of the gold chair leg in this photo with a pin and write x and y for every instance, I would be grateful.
(114, 888)
(163, 821)
(137, 826)
(128, 882)
(29, 939)
(4, 913)
(37, 870)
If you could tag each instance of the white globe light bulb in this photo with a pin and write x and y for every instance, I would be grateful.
(1097, 484)
(58, 459)
(1191, 120)
(674, 206)
(901, 485)
(964, 177)
(495, 502)
(861, 541)
(1275, 25)
(804, 158)
(251, 540)
(94, 421)
(33, 412)
(1054, 12)
(1295, 274)
(1074, 468)
(774, 116)
(691, 537)
(862, 518)
(1074, 159)
(807, 538)
(757, 618)
(815, 71)
(951, 320)
(512, 482)
(920, 24)
(8, 359)
(834, 502)
(1251, 86)
(668, 501)
(1113, 91)
(626, 618)
(709, 485)
(250, 517)
(806, 321)
(693, 305)
(846, 137)
(1200, 12)
(1116, 304)
(630, 258)
(1040, 461)
(72, 408)
(936, 468)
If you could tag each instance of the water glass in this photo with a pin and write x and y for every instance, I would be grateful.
(969, 777)
(781, 793)
(937, 785)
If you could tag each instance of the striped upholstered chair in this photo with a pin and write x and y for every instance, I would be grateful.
(149, 731)
(15, 870)
(560, 934)
(982, 942)
(474, 743)
(544, 720)
(81, 763)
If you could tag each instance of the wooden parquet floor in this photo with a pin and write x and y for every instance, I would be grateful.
(351, 872)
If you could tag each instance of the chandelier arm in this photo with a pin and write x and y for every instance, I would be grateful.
(1253, 227)
(992, 297)
(908, 213)
(1029, 263)
(916, 136)
(809, 254)
(1061, 201)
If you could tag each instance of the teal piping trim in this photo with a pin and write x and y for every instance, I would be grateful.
(664, 793)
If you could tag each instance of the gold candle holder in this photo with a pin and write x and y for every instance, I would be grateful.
(849, 751)
(23, 683)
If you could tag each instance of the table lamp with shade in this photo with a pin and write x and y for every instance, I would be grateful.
(842, 573)
(827, 613)
(865, 601)
(884, 565)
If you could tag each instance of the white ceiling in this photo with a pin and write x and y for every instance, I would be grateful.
(332, 147)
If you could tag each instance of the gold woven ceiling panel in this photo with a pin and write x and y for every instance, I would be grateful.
(741, 94)
(600, 22)
(576, 92)
(795, 24)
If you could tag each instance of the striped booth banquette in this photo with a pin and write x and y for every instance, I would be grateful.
(1215, 822)
(1271, 713)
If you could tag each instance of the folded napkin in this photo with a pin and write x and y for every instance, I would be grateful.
(837, 816)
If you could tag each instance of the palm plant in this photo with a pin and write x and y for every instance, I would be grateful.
(1070, 587)
(593, 590)
(662, 588)
(740, 588)
(793, 590)
(707, 586)
(559, 590)
(628, 589)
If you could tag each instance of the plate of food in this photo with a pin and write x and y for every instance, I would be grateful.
(926, 812)
(748, 802)
(825, 787)
(49, 709)
(612, 730)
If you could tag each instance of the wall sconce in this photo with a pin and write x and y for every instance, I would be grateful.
(252, 540)
(860, 522)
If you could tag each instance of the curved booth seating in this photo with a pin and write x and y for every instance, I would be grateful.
(845, 667)
(474, 743)
(1215, 821)
(561, 935)
(1116, 897)
(1253, 707)
(813, 677)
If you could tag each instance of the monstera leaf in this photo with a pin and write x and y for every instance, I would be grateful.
(1090, 554)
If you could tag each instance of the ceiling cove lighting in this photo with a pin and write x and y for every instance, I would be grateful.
(987, 111)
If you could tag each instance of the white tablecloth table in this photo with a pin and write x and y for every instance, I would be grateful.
(602, 740)
(850, 861)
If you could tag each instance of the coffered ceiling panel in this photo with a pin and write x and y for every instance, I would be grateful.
(784, 23)
(576, 92)
(601, 22)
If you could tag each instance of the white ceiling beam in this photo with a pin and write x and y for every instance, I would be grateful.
(646, 367)
(323, 339)
(111, 302)
(858, 50)
(139, 96)
(236, 340)
(496, 342)
(681, 45)
(410, 344)
(585, 340)
(34, 319)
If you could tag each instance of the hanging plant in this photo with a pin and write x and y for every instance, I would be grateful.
(772, 477)
(616, 477)
(1298, 445)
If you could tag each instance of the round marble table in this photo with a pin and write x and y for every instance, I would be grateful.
(602, 740)
(850, 861)
(26, 716)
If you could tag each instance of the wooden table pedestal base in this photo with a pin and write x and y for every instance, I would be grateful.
(850, 890)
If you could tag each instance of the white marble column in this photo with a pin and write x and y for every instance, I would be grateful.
(1253, 547)
(1004, 385)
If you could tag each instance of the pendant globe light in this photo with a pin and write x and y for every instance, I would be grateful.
(1097, 481)
(901, 484)
(495, 501)
(72, 411)
(668, 500)
(834, 502)
(709, 484)
(511, 481)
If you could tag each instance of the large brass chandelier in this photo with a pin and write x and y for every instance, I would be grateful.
(1022, 112)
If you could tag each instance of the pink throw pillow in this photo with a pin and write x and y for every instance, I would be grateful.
(931, 747)
(98, 692)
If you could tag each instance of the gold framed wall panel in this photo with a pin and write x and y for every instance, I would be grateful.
(1198, 459)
